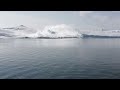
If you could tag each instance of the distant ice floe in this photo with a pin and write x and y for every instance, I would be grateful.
(102, 34)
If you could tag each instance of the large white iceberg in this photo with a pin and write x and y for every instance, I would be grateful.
(57, 31)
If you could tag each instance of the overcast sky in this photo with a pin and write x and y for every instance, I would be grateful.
(81, 19)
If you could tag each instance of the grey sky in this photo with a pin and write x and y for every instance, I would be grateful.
(81, 19)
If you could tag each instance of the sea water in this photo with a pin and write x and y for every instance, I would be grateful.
(77, 58)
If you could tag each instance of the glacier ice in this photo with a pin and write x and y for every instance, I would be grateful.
(102, 34)
(57, 31)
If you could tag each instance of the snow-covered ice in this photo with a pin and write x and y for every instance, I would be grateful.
(55, 31)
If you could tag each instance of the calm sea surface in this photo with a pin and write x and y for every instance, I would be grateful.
(60, 58)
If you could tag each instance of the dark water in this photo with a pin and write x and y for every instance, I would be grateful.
(59, 58)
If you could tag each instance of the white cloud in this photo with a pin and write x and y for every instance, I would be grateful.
(84, 13)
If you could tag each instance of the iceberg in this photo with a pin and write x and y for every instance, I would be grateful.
(59, 31)
(54, 31)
